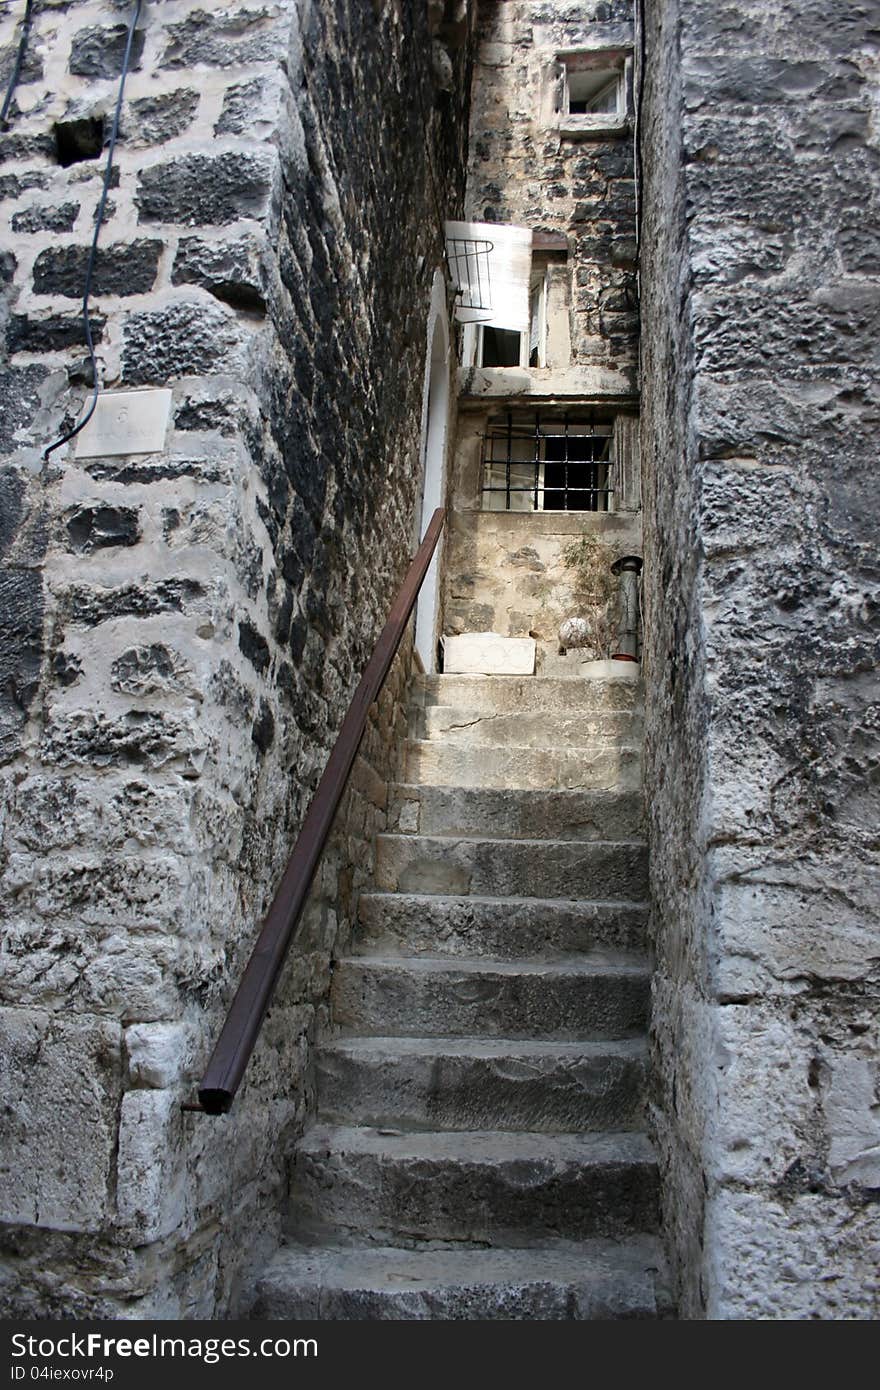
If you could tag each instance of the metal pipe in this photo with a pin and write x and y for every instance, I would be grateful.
(627, 568)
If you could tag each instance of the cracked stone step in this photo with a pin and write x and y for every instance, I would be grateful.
(525, 729)
(530, 815)
(584, 998)
(439, 925)
(522, 694)
(487, 1187)
(475, 1083)
(451, 764)
(546, 868)
(593, 1280)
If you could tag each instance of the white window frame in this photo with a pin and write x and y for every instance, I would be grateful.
(472, 333)
(594, 123)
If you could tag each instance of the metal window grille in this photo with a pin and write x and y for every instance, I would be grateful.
(547, 463)
(468, 260)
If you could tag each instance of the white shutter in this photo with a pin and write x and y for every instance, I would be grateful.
(495, 280)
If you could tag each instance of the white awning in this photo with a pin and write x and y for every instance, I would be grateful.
(490, 264)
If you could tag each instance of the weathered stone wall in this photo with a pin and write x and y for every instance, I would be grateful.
(506, 572)
(760, 300)
(523, 170)
(182, 630)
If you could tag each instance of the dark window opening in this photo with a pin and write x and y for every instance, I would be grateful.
(79, 140)
(501, 347)
(575, 473)
(534, 462)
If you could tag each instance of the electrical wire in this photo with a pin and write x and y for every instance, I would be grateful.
(99, 221)
(19, 63)
(639, 94)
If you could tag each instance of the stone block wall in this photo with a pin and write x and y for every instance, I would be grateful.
(181, 631)
(760, 297)
(524, 170)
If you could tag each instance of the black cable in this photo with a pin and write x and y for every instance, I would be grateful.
(99, 220)
(639, 97)
(19, 63)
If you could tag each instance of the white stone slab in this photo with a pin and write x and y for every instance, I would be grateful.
(126, 422)
(488, 654)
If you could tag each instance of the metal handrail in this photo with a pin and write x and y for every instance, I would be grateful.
(238, 1036)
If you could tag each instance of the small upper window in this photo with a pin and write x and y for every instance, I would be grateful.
(593, 93)
(599, 92)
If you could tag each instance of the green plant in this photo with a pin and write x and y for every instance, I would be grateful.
(593, 585)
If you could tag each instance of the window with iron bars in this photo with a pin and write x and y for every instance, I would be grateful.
(533, 462)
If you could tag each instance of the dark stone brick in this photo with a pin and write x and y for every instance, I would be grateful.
(141, 472)
(12, 489)
(207, 415)
(21, 650)
(153, 120)
(53, 334)
(15, 148)
(239, 102)
(205, 190)
(128, 268)
(13, 185)
(98, 528)
(66, 668)
(19, 402)
(144, 670)
(99, 52)
(232, 273)
(46, 219)
(31, 68)
(187, 339)
(253, 645)
(224, 40)
(92, 606)
(263, 731)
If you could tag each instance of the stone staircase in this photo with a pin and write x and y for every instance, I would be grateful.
(480, 1149)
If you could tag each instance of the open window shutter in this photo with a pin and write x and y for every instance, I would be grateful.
(493, 282)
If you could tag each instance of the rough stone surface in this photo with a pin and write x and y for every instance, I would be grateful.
(119, 270)
(760, 293)
(182, 631)
(506, 571)
(99, 52)
(46, 219)
(205, 190)
(524, 168)
(593, 1280)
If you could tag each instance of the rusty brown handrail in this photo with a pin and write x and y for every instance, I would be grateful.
(235, 1044)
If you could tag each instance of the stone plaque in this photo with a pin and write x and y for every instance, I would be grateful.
(126, 422)
(488, 654)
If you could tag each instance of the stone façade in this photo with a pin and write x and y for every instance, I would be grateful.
(760, 297)
(181, 631)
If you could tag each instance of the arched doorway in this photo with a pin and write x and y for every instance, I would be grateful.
(435, 431)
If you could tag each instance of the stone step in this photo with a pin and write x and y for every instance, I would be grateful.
(487, 1187)
(593, 1280)
(545, 868)
(434, 924)
(525, 729)
(530, 694)
(475, 1083)
(514, 813)
(451, 764)
(585, 997)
